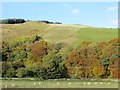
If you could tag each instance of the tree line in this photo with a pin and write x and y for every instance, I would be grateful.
(48, 22)
(34, 57)
(12, 21)
(17, 21)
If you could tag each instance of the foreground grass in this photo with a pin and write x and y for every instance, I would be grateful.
(58, 84)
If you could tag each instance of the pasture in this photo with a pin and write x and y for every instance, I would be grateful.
(70, 34)
(54, 83)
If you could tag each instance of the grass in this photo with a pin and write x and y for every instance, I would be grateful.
(58, 33)
(71, 35)
(95, 35)
(58, 84)
(11, 31)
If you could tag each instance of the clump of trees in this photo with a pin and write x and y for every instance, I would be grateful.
(31, 57)
(34, 57)
(98, 61)
(12, 21)
(48, 22)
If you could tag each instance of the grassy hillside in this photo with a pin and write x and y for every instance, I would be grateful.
(70, 34)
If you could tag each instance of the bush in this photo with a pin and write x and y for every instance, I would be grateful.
(10, 73)
(21, 72)
(42, 73)
(57, 47)
(5, 67)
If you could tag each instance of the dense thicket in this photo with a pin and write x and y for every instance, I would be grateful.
(12, 21)
(34, 57)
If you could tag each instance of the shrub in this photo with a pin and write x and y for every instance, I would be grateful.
(10, 73)
(21, 72)
(5, 67)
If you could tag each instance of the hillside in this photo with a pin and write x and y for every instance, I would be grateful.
(69, 34)
(51, 51)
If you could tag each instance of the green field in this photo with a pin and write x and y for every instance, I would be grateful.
(59, 84)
